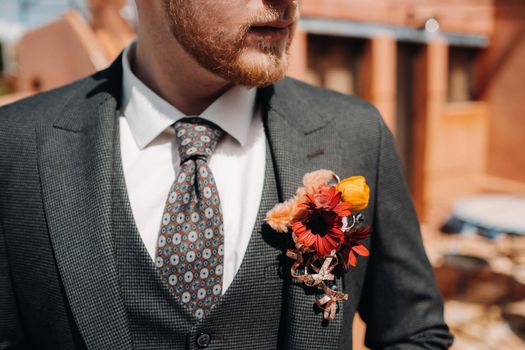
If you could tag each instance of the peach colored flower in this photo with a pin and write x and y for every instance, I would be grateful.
(281, 216)
(312, 181)
(300, 193)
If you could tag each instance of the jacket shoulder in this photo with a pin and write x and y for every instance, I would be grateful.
(340, 106)
(344, 112)
(20, 120)
(44, 107)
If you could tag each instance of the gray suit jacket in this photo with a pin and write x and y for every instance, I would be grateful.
(58, 277)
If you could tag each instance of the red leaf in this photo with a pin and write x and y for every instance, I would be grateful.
(352, 259)
(360, 249)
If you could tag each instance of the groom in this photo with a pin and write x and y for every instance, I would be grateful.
(132, 202)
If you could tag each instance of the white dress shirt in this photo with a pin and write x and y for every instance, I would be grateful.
(151, 161)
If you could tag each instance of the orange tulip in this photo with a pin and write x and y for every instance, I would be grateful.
(355, 191)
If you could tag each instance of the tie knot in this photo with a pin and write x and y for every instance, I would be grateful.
(196, 138)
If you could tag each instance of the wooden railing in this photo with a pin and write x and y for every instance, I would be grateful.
(466, 16)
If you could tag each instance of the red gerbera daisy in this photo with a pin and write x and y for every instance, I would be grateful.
(319, 224)
(353, 246)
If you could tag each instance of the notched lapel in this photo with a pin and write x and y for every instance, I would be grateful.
(299, 137)
(75, 164)
(301, 142)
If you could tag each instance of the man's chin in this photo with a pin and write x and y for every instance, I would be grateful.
(257, 69)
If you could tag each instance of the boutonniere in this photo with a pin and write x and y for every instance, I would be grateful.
(327, 227)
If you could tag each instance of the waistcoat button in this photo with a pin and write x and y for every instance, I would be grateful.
(203, 340)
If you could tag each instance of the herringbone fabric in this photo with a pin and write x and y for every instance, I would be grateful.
(190, 247)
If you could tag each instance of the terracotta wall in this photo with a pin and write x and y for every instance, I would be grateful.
(58, 53)
(502, 84)
(70, 47)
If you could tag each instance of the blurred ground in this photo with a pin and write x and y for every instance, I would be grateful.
(483, 283)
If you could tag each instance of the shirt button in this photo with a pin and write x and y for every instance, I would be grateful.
(203, 340)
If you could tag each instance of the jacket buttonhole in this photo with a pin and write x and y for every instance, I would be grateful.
(314, 154)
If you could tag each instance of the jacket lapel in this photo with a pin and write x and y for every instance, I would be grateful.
(75, 164)
(300, 143)
(298, 136)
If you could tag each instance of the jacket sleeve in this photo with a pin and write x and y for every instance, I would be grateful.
(10, 330)
(400, 302)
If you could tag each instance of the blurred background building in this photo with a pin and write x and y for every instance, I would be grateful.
(448, 77)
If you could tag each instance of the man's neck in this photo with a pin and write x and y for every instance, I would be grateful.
(175, 76)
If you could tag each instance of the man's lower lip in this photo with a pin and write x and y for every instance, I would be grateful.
(269, 33)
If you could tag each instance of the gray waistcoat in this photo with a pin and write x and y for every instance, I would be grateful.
(248, 315)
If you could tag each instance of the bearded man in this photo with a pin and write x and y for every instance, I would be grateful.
(133, 202)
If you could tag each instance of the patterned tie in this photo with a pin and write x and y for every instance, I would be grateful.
(190, 247)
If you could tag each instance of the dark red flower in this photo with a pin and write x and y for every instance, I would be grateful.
(352, 246)
(320, 222)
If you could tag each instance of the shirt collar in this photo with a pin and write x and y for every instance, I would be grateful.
(148, 114)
